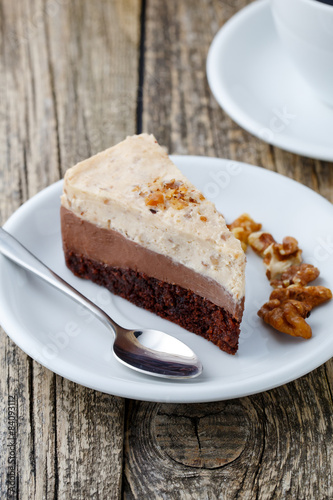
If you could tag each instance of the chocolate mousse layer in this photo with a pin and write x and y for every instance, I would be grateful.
(88, 242)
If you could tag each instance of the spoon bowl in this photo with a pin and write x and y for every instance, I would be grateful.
(147, 351)
(156, 350)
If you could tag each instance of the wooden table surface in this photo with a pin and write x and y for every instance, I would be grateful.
(77, 76)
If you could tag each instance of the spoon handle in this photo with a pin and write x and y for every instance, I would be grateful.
(15, 251)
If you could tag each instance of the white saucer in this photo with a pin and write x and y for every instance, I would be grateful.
(69, 341)
(254, 81)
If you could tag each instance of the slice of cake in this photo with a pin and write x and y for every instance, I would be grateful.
(132, 222)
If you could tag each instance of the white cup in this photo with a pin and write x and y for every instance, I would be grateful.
(305, 28)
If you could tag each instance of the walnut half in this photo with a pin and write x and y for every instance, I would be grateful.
(300, 275)
(311, 295)
(260, 241)
(278, 257)
(287, 317)
(288, 307)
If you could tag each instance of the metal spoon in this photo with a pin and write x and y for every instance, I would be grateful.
(148, 351)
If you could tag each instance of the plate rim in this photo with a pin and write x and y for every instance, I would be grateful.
(246, 385)
(231, 107)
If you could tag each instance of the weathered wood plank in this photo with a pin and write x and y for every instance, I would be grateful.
(273, 445)
(269, 446)
(68, 87)
(89, 442)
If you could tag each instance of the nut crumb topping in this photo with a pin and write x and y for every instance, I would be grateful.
(164, 194)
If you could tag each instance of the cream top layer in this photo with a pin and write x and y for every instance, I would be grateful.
(134, 188)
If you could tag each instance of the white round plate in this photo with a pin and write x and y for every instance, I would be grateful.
(253, 80)
(69, 341)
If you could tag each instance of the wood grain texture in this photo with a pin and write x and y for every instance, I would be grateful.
(269, 446)
(68, 88)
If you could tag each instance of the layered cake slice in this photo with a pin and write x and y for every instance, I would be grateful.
(132, 222)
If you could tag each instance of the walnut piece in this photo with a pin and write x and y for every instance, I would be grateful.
(300, 274)
(291, 301)
(288, 307)
(310, 295)
(278, 257)
(287, 317)
(260, 241)
(154, 199)
(242, 227)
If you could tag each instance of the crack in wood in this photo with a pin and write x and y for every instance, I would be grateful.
(186, 414)
(315, 175)
(141, 68)
(202, 468)
(55, 460)
(126, 417)
(85, 128)
(255, 482)
(195, 421)
(53, 89)
(271, 150)
(328, 382)
(25, 175)
(32, 419)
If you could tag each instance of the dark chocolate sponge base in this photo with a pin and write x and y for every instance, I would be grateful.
(171, 302)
